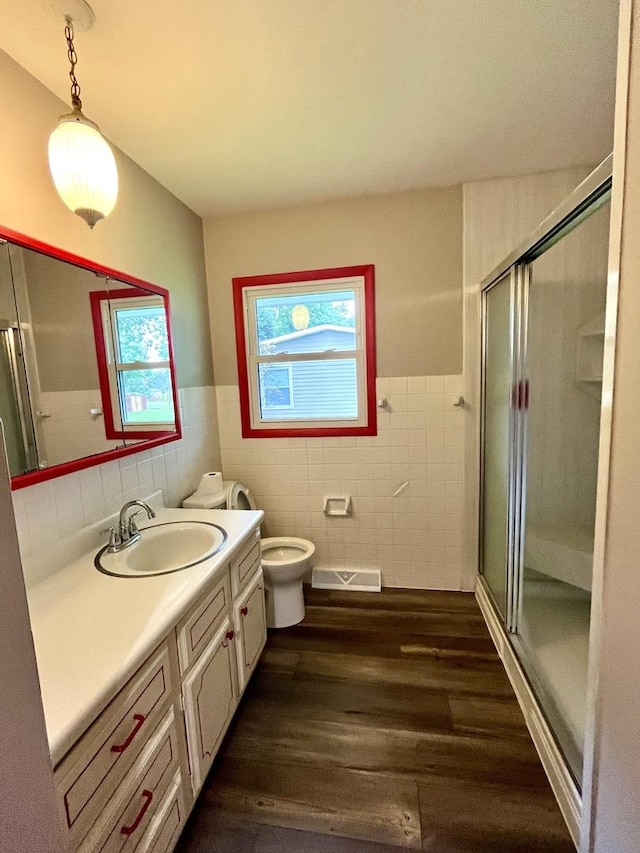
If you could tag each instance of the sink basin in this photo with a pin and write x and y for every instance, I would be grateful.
(164, 548)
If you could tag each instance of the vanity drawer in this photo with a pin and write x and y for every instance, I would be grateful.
(198, 627)
(123, 823)
(88, 776)
(246, 562)
(164, 829)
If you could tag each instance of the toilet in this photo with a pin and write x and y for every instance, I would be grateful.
(285, 560)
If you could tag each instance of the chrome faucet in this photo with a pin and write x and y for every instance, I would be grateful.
(127, 532)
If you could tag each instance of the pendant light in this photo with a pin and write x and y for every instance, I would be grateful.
(81, 161)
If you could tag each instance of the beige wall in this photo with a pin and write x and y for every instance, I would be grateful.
(408, 477)
(62, 328)
(413, 238)
(150, 235)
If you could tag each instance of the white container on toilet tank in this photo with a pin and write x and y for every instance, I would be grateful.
(209, 494)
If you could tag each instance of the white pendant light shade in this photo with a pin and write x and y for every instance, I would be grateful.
(83, 168)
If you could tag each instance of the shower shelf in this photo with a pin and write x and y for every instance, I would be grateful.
(589, 355)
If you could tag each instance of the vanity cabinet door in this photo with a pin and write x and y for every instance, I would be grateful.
(210, 698)
(250, 619)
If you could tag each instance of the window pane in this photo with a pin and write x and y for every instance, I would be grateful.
(314, 390)
(142, 334)
(306, 322)
(146, 396)
(275, 386)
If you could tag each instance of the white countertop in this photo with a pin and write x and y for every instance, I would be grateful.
(92, 631)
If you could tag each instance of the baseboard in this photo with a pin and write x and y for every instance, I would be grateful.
(562, 784)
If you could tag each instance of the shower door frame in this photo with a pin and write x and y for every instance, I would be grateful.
(11, 340)
(509, 278)
(577, 206)
(519, 274)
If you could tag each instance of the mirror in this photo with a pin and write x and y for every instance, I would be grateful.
(86, 364)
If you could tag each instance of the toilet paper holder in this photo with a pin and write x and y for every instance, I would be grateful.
(337, 505)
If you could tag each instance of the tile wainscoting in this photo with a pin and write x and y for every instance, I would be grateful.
(66, 428)
(414, 537)
(60, 519)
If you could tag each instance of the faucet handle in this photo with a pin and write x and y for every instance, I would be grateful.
(133, 527)
(114, 538)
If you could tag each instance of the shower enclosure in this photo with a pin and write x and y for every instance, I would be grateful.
(543, 342)
(15, 409)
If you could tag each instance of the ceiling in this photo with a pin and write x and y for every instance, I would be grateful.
(245, 104)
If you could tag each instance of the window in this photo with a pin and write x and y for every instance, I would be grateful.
(276, 386)
(306, 353)
(132, 342)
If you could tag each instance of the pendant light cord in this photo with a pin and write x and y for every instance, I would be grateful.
(76, 103)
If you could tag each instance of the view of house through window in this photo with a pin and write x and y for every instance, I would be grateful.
(320, 322)
(304, 350)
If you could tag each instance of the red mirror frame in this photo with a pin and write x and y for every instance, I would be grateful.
(41, 475)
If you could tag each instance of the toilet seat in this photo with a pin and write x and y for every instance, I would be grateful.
(237, 495)
(285, 550)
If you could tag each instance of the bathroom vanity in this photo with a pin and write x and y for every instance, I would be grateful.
(140, 678)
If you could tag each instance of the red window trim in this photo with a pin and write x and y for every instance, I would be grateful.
(367, 272)
(97, 297)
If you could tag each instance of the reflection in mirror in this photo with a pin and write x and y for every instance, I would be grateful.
(52, 308)
(15, 411)
(86, 364)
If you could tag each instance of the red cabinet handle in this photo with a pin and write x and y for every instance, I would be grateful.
(129, 830)
(120, 747)
(228, 636)
(244, 611)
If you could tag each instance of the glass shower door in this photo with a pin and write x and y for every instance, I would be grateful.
(564, 349)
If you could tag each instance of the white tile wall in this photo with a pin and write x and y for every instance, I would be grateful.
(69, 430)
(49, 513)
(415, 536)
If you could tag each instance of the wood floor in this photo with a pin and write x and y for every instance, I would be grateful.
(382, 721)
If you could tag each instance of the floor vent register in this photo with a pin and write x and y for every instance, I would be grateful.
(358, 580)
